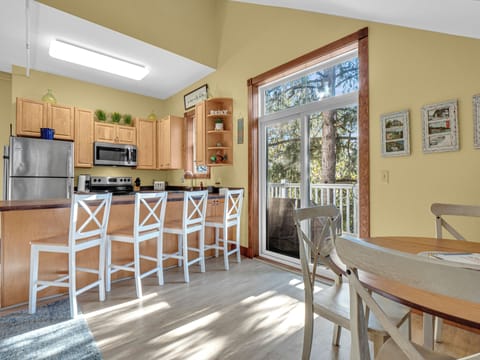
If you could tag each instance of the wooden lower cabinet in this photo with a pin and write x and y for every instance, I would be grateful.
(43, 223)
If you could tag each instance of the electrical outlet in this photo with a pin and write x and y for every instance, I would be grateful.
(385, 176)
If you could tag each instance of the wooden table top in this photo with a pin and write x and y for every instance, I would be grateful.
(459, 311)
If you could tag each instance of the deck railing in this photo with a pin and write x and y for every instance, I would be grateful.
(343, 196)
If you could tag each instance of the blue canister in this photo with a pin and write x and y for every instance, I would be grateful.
(47, 133)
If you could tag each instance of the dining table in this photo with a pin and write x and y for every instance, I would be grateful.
(453, 309)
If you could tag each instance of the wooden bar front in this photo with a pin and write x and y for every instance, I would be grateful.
(21, 224)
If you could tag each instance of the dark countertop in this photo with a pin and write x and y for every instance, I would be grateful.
(173, 195)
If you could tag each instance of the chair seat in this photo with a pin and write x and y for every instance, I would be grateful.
(214, 221)
(391, 351)
(333, 303)
(60, 241)
(126, 234)
(173, 225)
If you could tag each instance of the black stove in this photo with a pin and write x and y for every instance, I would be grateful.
(117, 185)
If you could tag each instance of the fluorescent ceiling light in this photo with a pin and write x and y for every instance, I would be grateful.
(78, 55)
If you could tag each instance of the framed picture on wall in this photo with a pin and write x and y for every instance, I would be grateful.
(476, 121)
(395, 133)
(440, 127)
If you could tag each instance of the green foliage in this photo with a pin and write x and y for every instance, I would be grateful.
(100, 115)
(284, 140)
(116, 116)
(127, 119)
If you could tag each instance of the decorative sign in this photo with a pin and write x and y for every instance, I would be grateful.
(195, 96)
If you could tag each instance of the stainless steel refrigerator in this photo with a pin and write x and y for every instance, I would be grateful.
(35, 169)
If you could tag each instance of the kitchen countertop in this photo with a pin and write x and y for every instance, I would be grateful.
(13, 205)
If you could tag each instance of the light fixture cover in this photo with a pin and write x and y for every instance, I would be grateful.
(63, 50)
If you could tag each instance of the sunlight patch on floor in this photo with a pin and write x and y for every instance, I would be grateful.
(120, 306)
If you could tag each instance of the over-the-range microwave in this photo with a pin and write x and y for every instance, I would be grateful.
(114, 154)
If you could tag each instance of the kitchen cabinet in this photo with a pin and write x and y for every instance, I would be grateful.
(170, 143)
(33, 115)
(113, 133)
(146, 144)
(214, 145)
(84, 135)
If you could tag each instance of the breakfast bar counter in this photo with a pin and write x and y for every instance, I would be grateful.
(23, 221)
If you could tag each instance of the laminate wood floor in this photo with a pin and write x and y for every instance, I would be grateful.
(253, 311)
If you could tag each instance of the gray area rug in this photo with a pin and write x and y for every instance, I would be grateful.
(47, 334)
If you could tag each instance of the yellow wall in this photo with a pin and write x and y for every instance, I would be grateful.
(90, 96)
(408, 69)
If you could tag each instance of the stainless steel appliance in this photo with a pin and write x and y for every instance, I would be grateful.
(83, 184)
(117, 185)
(114, 154)
(35, 169)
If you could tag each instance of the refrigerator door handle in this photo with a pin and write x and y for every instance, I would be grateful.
(6, 162)
(69, 188)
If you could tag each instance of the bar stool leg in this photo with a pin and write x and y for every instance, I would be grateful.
(184, 250)
(160, 258)
(136, 259)
(225, 248)
(32, 302)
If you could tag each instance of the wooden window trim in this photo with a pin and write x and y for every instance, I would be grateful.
(358, 39)
(189, 118)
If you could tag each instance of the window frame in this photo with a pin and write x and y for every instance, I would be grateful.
(357, 40)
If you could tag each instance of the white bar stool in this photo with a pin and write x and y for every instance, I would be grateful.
(149, 215)
(232, 211)
(193, 220)
(82, 235)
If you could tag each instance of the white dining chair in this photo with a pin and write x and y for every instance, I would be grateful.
(435, 276)
(317, 228)
(441, 211)
(192, 222)
(148, 220)
(87, 229)
(232, 211)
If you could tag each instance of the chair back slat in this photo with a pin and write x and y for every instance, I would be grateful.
(232, 209)
(194, 208)
(316, 232)
(89, 216)
(149, 212)
(441, 210)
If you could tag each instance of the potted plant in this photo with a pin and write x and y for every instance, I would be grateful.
(101, 115)
(116, 116)
(127, 119)
(219, 124)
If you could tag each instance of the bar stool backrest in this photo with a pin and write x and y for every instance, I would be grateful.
(149, 213)
(194, 209)
(233, 206)
(89, 217)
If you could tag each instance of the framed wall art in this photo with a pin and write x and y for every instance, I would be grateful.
(195, 96)
(395, 133)
(476, 121)
(440, 127)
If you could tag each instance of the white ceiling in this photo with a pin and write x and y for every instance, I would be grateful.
(170, 73)
(456, 17)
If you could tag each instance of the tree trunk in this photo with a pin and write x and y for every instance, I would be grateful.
(329, 156)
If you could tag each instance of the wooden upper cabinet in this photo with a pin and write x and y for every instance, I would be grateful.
(146, 144)
(84, 138)
(112, 133)
(219, 142)
(170, 143)
(61, 118)
(126, 134)
(200, 149)
(33, 115)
